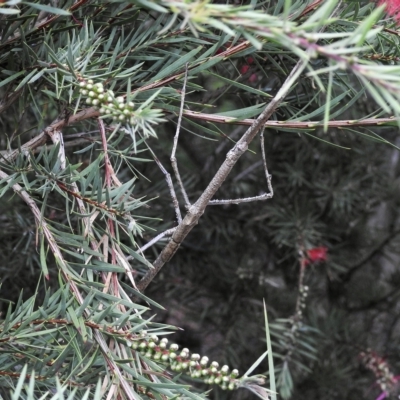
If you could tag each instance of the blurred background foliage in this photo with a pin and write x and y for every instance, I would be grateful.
(336, 190)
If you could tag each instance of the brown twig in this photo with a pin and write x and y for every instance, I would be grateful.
(197, 209)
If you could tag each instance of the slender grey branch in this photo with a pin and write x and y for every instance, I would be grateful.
(178, 128)
(197, 209)
(267, 175)
(168, 232)
(264, 196)
(170, 185)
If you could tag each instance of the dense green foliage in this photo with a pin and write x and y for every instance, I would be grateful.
(120, 123)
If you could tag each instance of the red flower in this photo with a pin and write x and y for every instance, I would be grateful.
(392, 8)
(244, 69)
(250, 60)
(253, 78)
(317, 254)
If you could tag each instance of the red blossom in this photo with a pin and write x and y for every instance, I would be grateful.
(392, 8)
(253, 78)
(250, 60)
(317, 254)
(244, 69)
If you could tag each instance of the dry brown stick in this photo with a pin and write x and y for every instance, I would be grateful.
(311, 125)
(197, 209)
(41, 139)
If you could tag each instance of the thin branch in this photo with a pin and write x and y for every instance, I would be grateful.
(168, 232)
(197, 210)
(307, 125)
(268, 177)
(170, 185)
(43, 136)
(178, 128)
(264, 196)
(90, 112)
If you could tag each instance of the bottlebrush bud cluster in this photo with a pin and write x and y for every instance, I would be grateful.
(379, 366)
(183, 362)
(106, 102)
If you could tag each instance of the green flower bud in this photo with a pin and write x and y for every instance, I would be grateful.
(185, 365)
(195, 357)
(225, 370)
(84, 92)
(234, 373)
(204, 361)
(88, 101)
(214, 364)
(196, 374)
(90, 81)
(184, 354)
(89, 86)
(121, 117)
(82, 84)
(165, 357)
(120, 99)
(174, 347)
(178, 367)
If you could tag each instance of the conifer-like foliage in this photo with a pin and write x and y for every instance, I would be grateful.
(170, 164)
